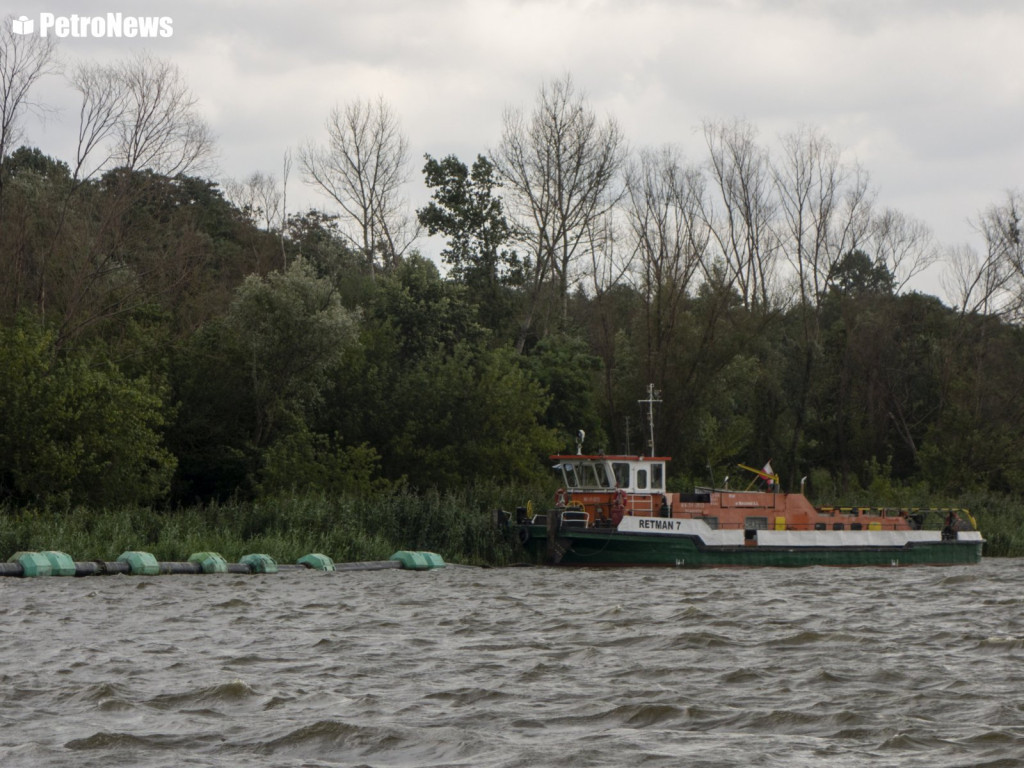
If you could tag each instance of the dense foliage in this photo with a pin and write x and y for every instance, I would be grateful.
(159, 348)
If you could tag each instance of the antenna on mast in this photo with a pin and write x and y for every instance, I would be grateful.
(653, 396)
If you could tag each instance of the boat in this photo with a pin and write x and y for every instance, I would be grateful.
(614, 510)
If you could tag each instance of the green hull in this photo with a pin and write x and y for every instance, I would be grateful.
(610, 548)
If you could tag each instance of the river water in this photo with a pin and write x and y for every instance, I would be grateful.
(517, 667)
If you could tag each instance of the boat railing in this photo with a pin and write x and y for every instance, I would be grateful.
(575, 518)
(926, 518)
(831, 525)
(641, 505)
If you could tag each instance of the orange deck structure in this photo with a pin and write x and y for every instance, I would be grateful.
(600, 490)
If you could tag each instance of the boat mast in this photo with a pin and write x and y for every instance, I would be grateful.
(653, 396)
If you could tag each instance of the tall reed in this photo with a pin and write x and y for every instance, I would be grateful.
(456, 525)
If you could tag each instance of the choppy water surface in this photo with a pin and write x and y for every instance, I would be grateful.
(517, 667)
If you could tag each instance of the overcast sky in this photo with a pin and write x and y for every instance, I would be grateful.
(928, 95)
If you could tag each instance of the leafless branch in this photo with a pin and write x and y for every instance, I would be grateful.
(363, 168)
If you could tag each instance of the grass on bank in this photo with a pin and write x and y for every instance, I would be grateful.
(457, 526)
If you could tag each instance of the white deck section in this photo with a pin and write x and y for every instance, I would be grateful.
(768, 538)
(844, 538)
(970, 536)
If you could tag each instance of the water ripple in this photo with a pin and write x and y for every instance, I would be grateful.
(897, 668)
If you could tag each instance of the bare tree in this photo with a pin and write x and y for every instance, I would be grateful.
(161, 129)
(611, 260)
(102, 109)
(138, 114)
(1001, 225)
(808, 183)
(742, 221)
(560, 168)
(822, 213)
(852, 222)
(23, 60)
(362, 168)
(259, 197)
(286, 170)
(992, 283)
(664, 203)
(143, 114)
(904, 244)
(978, 284)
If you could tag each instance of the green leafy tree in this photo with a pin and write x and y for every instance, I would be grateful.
(255, 376)
(75, 432)
(566, 368)
(89, 257)
(411, 314)
(290, 328)
(421, 311)
(470, 415)
(316, 238)
(856, 274)
(973, 441)
(873, 384)
(466, 209)
(307, 461)
(427, 389)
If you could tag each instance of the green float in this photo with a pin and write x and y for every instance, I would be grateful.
(418, 561)
(32, 563)
(317, 562)
(141, 563)
(210, 562)
(434, 559)
(52, 563)
(260, 563)
(61, 563)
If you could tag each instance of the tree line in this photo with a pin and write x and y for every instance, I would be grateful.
(166, 339)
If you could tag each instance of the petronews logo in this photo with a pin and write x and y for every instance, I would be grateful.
(107, 25)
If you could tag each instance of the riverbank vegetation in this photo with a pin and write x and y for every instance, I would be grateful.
(191, 366)
(460, 526)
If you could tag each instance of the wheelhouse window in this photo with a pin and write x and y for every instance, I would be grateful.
(657, 476)
(641, 479)
(569, 472)
(621, 471)
(585, 474)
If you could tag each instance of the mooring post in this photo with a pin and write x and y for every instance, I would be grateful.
(554, 522)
